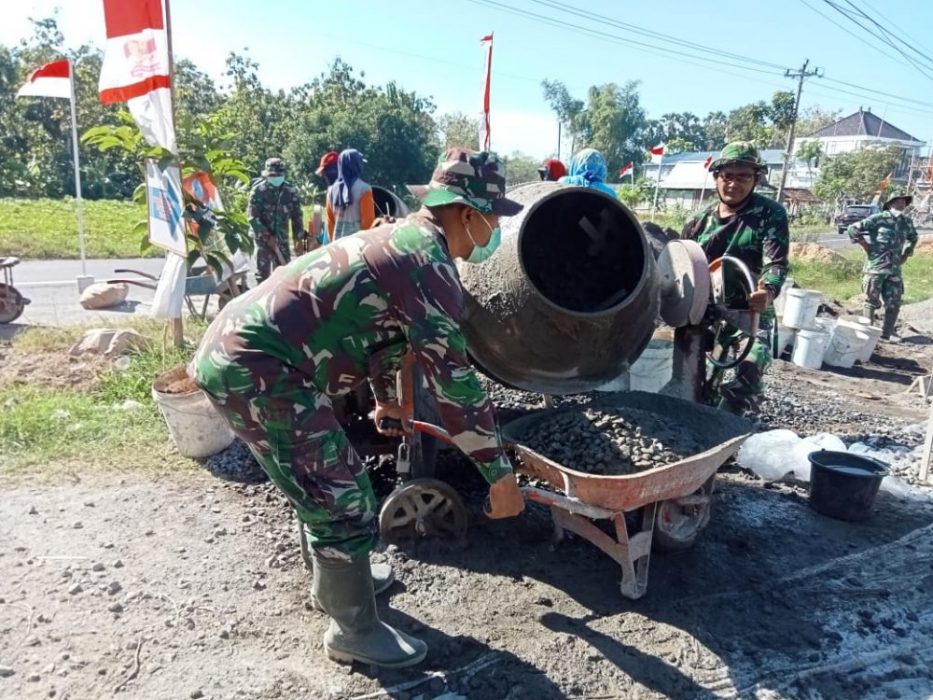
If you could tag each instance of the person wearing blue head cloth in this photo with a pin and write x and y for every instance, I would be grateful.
(350, 204)
(588, 169)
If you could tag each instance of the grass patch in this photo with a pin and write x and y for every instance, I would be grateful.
(843, 280)
(43, 426)
(47, 228)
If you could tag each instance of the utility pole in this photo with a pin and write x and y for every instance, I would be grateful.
(801, 75)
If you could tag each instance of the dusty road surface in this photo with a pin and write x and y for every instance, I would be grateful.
(178, 585)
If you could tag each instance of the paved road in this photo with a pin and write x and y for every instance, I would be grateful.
(841, 242)
(63, 273)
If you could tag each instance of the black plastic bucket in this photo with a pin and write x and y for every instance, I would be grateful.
(844, 485)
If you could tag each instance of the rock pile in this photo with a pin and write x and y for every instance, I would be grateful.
(622, 441)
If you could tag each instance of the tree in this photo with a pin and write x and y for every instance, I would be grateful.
(568, 110)
(458, 129)
(683, 128)
(521, 168)
(715, 126)
(810, 151)
(856, 174)
(613, 123)
(813, 119)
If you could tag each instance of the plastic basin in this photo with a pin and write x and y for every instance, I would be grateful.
(844, 485)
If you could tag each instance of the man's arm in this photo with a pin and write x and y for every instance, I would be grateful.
(253, 214)
(775, 245)
(429, 301)
(911, 238)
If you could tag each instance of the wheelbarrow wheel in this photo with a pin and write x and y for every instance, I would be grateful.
(680, 521)
(423, 508)
(11, 303)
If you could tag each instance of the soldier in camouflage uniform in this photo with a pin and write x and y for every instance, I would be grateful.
(891, 239)
(275, 358)
(273, 203)
(753, 229)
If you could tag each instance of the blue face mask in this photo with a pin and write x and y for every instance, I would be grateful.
(275, 180)
(481, 253)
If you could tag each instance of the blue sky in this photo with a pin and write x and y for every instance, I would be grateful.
(433, 48)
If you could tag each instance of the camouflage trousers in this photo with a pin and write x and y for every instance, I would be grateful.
(267, 260)
(744, 390)
(299, 443)
(883, 290)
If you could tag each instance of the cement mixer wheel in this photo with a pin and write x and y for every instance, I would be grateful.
(680, 521)
(423, 508)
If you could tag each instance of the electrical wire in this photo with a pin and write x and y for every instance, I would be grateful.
(891, 37)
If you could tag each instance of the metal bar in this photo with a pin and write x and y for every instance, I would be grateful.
(572, 505)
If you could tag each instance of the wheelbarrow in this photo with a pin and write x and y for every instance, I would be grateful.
(12, 302)
(674, 499)
(200, 282)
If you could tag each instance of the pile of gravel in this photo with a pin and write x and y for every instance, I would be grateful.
(622, 441)
(236, 463)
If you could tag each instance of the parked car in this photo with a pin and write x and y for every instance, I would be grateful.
(853, 214)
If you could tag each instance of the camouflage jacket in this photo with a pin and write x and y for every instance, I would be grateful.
(271, 208)
(349, 311)
(757, 235)
(890, 240)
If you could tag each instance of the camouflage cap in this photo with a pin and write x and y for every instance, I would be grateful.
(738, 152)
(897, 194)
(274, 166)
(467, 177)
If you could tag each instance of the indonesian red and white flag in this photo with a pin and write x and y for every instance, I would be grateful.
(51, 80)
(626, 169)
(137, 66)
(657, 150)
(485, 132)
(709, 159)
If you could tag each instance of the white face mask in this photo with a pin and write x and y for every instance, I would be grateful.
(896, 212)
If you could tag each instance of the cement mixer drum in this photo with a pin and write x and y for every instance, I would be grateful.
(569, 299)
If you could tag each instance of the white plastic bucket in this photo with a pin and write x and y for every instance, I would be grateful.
(782, 296)
(810, 348)
(845, 345)
(874, 335)
(194, 424)
(800, 307)
(653, 368)
(785, 338)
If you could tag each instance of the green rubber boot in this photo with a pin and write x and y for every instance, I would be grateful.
(869, 313)
(890, 322)
(383, 578)
(345, 591)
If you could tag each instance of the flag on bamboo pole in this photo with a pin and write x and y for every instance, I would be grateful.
(485, 136)
(709, 159)
(626, 169)
(657, 150)
(51, 80)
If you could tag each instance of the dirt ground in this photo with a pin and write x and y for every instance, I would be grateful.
(179, 585)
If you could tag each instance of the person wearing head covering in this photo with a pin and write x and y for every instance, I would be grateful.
(588, 169)
(350, 204)
(888, 239)
(327, 168)
(754, 229)
(552, 170)
(273, 203)
(275, 359)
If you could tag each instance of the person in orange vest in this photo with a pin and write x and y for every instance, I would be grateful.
(350, 204)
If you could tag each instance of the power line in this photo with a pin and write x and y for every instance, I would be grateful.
(885, 40)
(801, 75)
(851, 33)
(888, 20)
(891, 37)
(625, 26)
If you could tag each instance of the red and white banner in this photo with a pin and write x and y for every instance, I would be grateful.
(137, 66)
(709, 159)
(485, 135)
(626, 169)
(657, 150)
(51, 80)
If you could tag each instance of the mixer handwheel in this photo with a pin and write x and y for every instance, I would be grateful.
(423, 508)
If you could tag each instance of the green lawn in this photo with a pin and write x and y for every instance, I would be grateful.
(47, 228)
(843, 280)
(43, 425)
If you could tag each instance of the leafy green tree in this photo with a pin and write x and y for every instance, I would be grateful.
(810, 151)
(521, 168)
(813, 119)
(614, 124)
(857, 174)
(569, 110)
(715, 126)
(458, 129)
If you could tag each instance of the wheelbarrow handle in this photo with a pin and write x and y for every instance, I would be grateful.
(422, 427)
(123, 271)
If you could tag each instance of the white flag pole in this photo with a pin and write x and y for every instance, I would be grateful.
(84, 279)
(703, 191)
(657, 185)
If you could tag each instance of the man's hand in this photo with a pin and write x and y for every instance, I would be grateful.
(392, 411)
(863, 244)
(505, 498)
(269, 240)
(759, 299)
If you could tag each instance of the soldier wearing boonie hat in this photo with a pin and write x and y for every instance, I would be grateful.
(275, 358)
(753, 228)
(888, 239)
